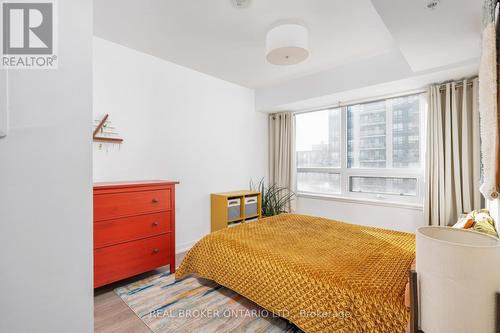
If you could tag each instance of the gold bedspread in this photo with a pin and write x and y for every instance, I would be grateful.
(322, 275)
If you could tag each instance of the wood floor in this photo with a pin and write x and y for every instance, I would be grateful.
(112, 315)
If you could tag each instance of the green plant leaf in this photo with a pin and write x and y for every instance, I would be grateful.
(275, 199)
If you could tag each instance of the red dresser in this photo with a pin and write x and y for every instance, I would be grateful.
(134, 229)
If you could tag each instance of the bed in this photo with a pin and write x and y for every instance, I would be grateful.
(320, 274)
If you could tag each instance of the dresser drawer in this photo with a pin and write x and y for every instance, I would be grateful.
(117, 262)
(113, 205)
(125, 229)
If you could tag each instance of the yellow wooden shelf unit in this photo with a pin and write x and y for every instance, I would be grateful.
(231, 208)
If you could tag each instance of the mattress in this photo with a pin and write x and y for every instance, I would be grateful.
(320, 274)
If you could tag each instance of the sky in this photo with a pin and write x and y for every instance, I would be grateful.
(311, 128)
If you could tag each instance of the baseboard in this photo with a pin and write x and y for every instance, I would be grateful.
(183, 247)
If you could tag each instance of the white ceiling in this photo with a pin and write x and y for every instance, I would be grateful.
(448, 34)
(215, 38)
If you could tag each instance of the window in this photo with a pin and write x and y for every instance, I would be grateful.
(371, 150)
(386, 185)
(318, 139)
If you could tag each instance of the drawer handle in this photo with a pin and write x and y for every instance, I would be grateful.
(155, 251)
(155, 224)
(154, 200)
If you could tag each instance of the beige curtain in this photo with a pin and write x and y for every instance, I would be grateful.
(282, 151)
(453, 152)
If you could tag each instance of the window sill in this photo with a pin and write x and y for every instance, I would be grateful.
(360, 201)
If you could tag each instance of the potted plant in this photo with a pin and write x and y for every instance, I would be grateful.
(275, 199)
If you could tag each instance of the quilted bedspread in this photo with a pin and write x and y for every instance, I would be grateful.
(322, 275)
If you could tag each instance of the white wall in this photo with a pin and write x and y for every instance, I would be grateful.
(177, 124)
(375, 215)
(46, 188)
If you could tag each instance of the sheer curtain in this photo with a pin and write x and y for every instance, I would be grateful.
(453, 152)
(282, 151)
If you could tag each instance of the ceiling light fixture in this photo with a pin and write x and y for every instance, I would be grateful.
(432, 4)
(287, 44)
(241, 3)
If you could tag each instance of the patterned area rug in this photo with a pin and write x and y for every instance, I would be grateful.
(197, 305)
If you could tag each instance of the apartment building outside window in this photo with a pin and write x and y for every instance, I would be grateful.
(371, 150)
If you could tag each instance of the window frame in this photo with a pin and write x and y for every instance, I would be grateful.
(346, 173)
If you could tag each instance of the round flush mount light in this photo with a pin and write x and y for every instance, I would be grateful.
(287, 44)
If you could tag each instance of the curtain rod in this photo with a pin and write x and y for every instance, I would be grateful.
(442, 86)
(358, 101)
